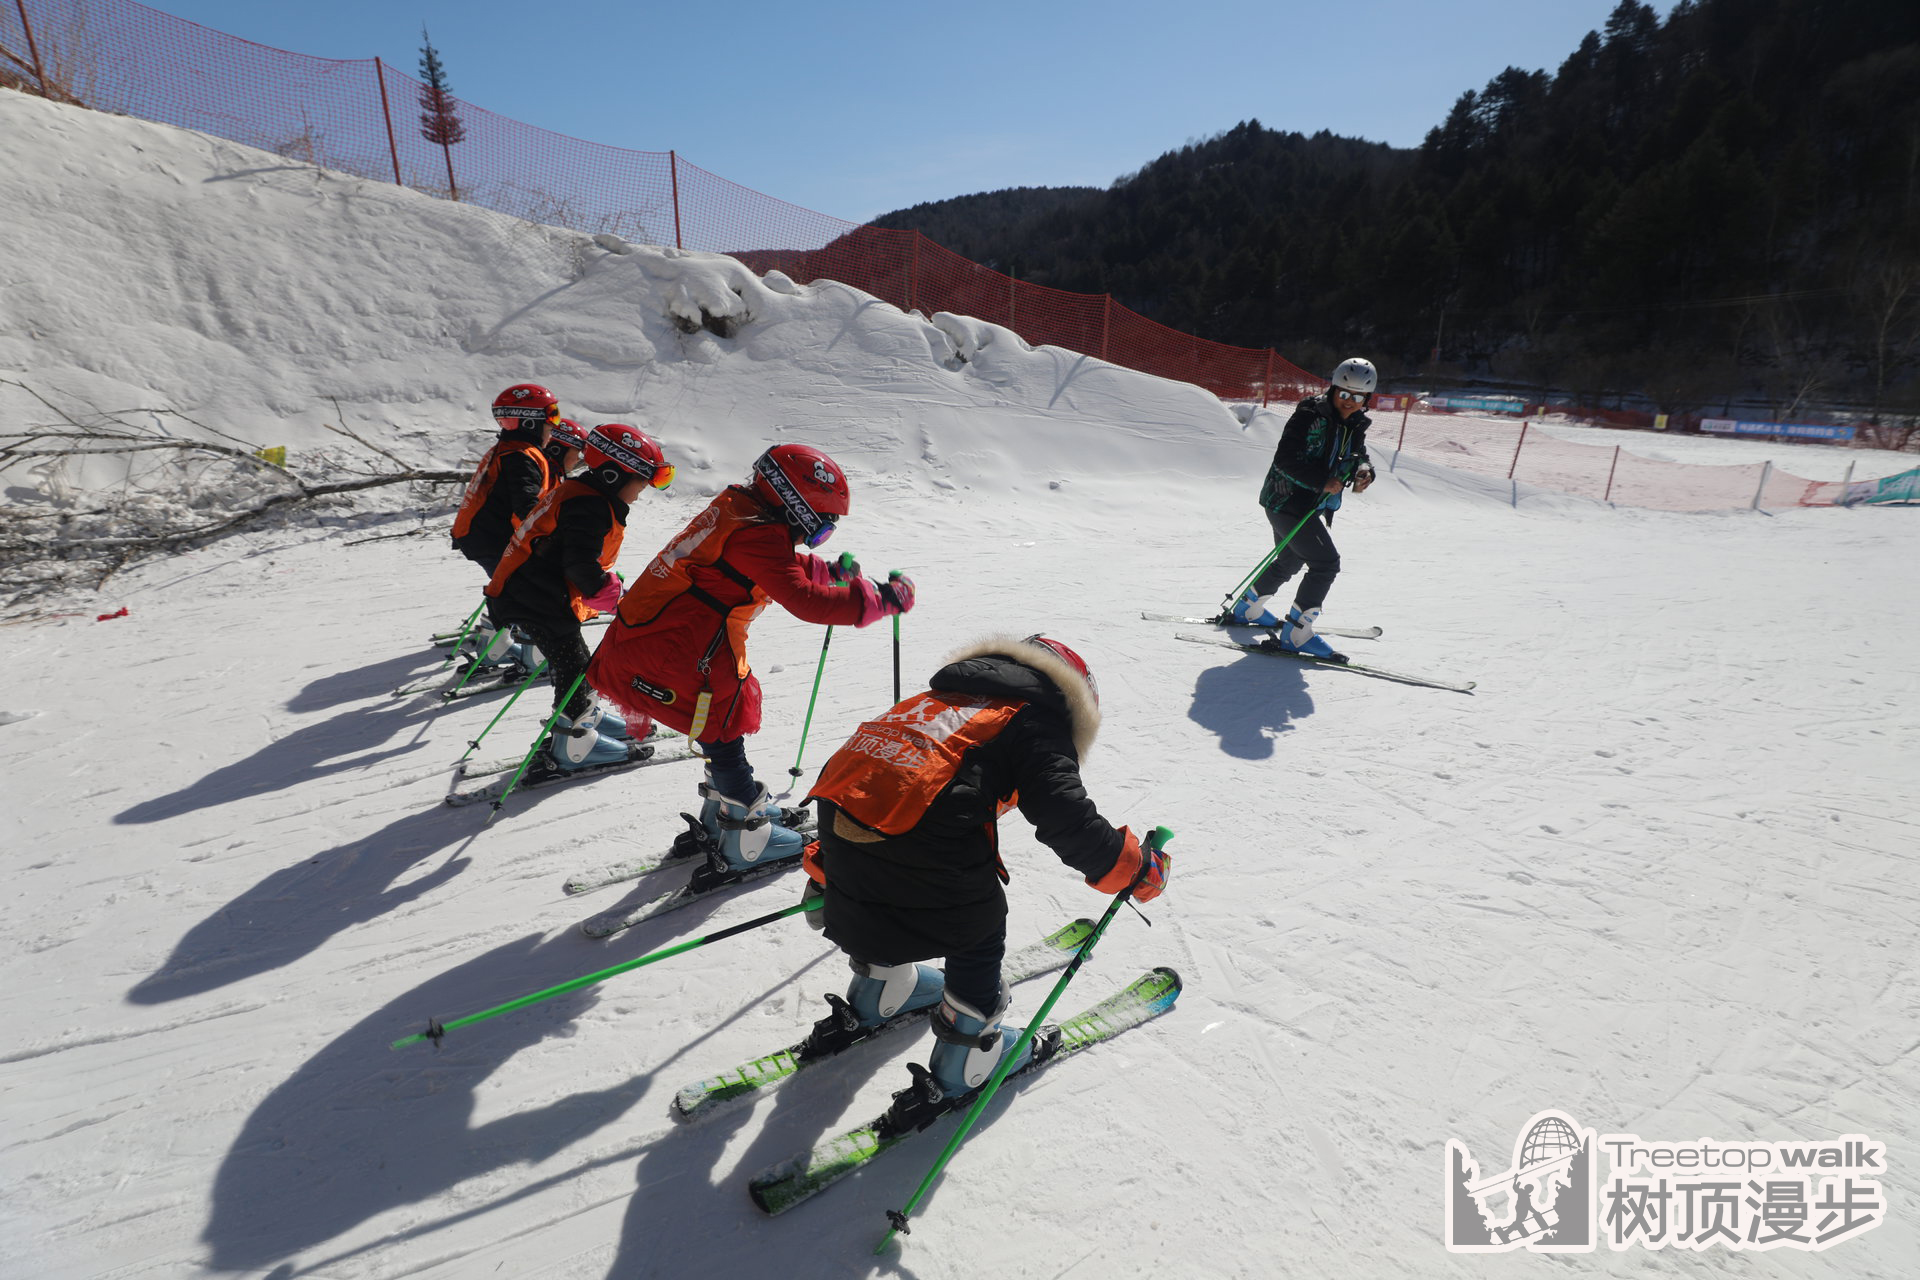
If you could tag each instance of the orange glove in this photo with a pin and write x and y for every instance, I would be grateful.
(1144, 870)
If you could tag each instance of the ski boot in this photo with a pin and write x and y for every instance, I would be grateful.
(752, 835)
(878, 997)
(1297, 635)
(613, 724)
(702, 836)
(578, 744)
(504, 651)
(1253, 611)
(971, 1044)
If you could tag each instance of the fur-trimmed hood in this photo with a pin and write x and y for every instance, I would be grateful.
(1006, 666)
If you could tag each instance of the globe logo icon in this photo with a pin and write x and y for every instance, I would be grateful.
(1548, 1142)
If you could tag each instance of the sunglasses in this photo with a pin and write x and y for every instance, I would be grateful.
(1353, 397)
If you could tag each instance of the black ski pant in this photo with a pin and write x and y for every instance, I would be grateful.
(1313, 547)
(565, 649)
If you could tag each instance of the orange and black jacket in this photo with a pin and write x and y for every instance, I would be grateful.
(561, 554)
(504, 488)
(936, 887)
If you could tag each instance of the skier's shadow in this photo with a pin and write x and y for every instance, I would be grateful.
(1250, 703)
(370, 681)
(359, 1130)
(297, 908)
(351, 740)
(734, 1239)
(350, 1137)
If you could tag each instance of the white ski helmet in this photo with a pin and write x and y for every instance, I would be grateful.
(1356, 375)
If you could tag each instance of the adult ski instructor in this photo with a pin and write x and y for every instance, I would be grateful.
(1323, 448)
(676, 649)
(909, 852)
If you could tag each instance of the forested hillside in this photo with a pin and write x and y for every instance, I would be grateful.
(1721, 201)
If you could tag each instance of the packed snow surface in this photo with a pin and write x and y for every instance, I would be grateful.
(1657, 870)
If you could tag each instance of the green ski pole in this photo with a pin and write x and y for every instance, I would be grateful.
(437, 1029)
(545, 729)
(898, 1217)
(464, 632)
(807, 725)
(1226, 605)
(474, 745)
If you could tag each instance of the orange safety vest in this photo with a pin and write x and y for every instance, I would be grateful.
(701, 543)
(480, 487)
(892, 769)
(539, 523)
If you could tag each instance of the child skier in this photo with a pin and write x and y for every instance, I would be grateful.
(558, 572)
(676, 648)
(566, 445)
(510, 479)
(1322, 448)
(909, 854)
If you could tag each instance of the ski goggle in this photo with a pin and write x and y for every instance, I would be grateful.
(662, 477)
(820, 534)
(529, 412)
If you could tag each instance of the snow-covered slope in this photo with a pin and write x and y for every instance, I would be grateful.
(1656, 871)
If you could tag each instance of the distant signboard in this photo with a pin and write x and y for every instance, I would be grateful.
(1480, 404)
(1904, 487)
(1798, 430)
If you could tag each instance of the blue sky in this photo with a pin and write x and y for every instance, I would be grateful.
(857, 108)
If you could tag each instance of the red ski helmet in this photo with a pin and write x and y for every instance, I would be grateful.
(567, 434)
(524, 406)
(617, 453)
(807, 485)
(1072, 659)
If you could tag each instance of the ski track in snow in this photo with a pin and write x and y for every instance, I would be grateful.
(1658, 870)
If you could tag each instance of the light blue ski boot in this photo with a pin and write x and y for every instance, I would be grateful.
(971, 1044)
(579, 745)
(751, 835)
(880, 993)
(499, 650)
(1297, 635)
(1254, 611)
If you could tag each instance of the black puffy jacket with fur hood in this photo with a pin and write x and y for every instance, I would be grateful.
(936, 890)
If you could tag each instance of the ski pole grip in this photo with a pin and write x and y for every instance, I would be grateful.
(1156, 841)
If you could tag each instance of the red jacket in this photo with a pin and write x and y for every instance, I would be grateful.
(695, 601)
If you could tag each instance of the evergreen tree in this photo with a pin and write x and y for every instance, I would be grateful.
(440, 121)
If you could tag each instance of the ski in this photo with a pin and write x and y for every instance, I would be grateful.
(507, 678)
(505, 763)
(840, 1031)
(1270, 649)
(544, 773)
(447, 639)
(779, 1188)
(688, 844)
(1221, 620)
(706, 879)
